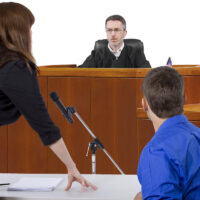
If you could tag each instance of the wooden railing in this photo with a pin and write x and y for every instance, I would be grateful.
(107, 100)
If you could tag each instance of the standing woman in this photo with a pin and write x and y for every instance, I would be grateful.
(19, 89)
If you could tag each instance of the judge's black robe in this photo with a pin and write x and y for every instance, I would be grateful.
(129, 58)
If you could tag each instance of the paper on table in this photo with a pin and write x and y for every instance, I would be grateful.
(36, 184)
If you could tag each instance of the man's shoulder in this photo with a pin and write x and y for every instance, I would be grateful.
(102, 53)
(179, 132)
(102, 50)
(175, 140)
(129, 51)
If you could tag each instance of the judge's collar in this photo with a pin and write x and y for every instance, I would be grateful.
(117, 54)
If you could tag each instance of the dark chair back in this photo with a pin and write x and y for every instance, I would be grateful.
(134, 43)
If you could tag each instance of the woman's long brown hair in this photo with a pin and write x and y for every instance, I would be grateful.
(15, 33)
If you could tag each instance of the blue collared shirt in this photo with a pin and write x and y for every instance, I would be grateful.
(169, 166)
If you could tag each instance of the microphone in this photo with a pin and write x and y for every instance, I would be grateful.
(66, 112)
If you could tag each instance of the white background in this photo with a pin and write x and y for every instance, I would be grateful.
(65, 30)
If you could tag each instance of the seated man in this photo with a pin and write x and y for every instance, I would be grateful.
(169, 166)
(116, 54)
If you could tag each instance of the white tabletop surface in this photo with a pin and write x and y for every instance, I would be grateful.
(110, 187)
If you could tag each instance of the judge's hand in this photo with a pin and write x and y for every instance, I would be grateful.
(138, 196)
(74, 175)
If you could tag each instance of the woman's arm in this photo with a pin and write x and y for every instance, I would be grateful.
(22, 88)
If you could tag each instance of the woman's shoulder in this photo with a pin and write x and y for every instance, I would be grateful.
(23, 64)
(14, 65)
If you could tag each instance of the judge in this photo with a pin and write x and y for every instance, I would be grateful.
(116, 54)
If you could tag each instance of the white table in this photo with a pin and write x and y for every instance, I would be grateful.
(110, 187)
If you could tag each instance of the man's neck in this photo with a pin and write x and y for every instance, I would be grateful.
(157, 122)
(115, 48)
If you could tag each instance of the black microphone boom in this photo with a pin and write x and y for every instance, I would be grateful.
(66, 112)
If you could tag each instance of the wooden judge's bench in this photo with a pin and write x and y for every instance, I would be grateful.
(109, 101)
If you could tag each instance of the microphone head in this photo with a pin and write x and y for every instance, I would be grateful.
(54, 96)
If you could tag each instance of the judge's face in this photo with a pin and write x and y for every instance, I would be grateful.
(115, 33)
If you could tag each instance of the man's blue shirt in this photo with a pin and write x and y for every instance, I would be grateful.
(169, 166)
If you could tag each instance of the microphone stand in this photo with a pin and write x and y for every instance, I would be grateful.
(93, 145)
(93, 148)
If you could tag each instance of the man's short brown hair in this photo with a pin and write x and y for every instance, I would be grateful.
(116, 18)
(163, 88)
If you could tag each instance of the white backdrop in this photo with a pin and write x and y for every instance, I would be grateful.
(65, 30)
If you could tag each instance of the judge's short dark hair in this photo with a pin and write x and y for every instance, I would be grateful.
(163, 87)
(116, 18)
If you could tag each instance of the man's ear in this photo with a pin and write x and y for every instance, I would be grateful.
(144, 104)
(125, 32)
